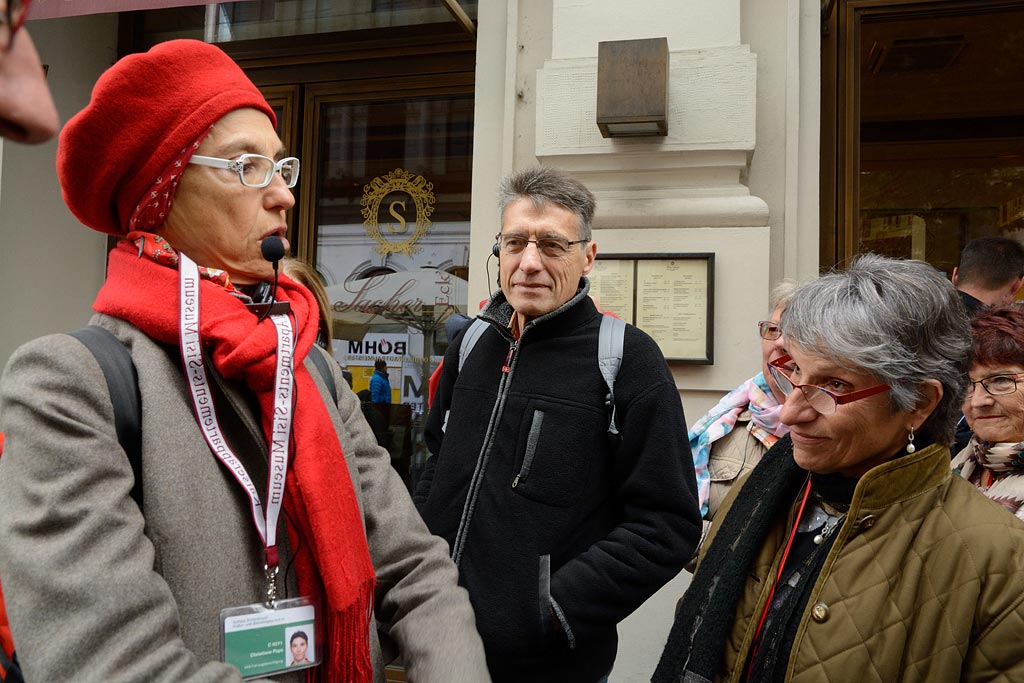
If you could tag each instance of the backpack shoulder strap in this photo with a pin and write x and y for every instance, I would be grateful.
(316, 354)
(470, 338)
(123, 385)
(610, 342)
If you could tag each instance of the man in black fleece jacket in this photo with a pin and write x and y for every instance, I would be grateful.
(560, 529)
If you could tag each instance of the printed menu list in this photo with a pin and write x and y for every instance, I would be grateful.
(672, 305)
(668, 298)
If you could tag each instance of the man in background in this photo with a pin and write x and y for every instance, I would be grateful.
(27, 113)
(991, 272)
(380, 388)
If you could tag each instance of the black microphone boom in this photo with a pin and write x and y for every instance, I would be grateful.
(272, 249)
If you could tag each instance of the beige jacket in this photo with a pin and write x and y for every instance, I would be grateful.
(731, 457)
(925, 583)
(96, 591)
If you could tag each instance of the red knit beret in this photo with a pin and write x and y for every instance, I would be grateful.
(144, 110)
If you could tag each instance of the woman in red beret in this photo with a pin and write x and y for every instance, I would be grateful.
(267, 503)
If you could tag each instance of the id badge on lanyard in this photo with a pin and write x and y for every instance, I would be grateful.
(271, 636)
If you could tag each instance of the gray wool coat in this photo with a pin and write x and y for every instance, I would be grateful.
(97, 591)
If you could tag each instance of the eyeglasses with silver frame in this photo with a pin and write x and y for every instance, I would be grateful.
(819, 398)
(769, 329)
(551, 247)
(12, 18)
(254, 170)
(996, 385)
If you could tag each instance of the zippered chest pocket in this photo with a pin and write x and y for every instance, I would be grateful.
(558, 447)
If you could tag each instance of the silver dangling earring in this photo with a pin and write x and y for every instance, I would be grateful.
(910, 441)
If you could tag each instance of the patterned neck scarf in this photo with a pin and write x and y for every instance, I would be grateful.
(158, 249)
(753, 395)
(997, 469)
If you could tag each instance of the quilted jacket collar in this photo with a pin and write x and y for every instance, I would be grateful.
(902, 478)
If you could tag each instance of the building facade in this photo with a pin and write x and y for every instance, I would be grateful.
(797, 133)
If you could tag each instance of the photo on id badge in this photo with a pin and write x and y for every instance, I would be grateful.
(262, 640)
(301, 646)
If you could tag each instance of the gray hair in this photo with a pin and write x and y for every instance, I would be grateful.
(781, 294)
(541, 184)
(898, 320)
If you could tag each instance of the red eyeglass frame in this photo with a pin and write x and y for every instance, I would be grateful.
(840, 399)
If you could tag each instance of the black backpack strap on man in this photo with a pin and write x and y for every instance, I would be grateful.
(610, 343)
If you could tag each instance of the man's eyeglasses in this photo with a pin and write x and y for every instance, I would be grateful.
(996, 385)
(819, 398)
(254, 170)
(551, 247)
(12, 17)
(769, 329)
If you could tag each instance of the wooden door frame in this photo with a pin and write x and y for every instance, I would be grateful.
(840, 109)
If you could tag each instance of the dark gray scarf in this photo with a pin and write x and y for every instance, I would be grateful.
(695, 645)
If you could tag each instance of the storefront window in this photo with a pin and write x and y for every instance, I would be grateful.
(232, 21)
(930, 110)
(392, 237)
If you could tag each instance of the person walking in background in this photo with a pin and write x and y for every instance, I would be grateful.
(994, 459)
(27, 113)
(852, 551)
(380, 388)
(259, 484)
(565, 508)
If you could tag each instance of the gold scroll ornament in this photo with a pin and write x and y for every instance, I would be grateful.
(422, 194)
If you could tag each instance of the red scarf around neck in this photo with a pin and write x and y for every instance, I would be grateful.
(333, 564)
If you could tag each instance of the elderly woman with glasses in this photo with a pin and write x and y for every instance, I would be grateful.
(730, 439)
(263, 501)
(852, 551)
(994, 459)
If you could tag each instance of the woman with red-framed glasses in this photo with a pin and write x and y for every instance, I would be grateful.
(27, 113)
(852, 551)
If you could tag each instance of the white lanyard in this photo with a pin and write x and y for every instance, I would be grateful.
(206, 416)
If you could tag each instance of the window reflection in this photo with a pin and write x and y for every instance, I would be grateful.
(941, 156)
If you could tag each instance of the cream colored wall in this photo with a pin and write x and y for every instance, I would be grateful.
(50, 266)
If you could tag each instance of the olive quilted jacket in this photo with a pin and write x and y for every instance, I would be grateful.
(925, 583)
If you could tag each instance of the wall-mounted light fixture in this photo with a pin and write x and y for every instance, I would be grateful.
(632, 87)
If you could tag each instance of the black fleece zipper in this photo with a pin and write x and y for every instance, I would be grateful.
(507, 370)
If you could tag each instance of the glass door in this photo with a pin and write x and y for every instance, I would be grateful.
(387, 221)
(922, 127)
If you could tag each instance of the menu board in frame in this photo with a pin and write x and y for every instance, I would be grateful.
(668, 296)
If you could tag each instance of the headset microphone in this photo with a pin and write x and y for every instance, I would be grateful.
(272, 249)
(496, 253)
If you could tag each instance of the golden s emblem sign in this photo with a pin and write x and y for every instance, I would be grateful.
(389, 188)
